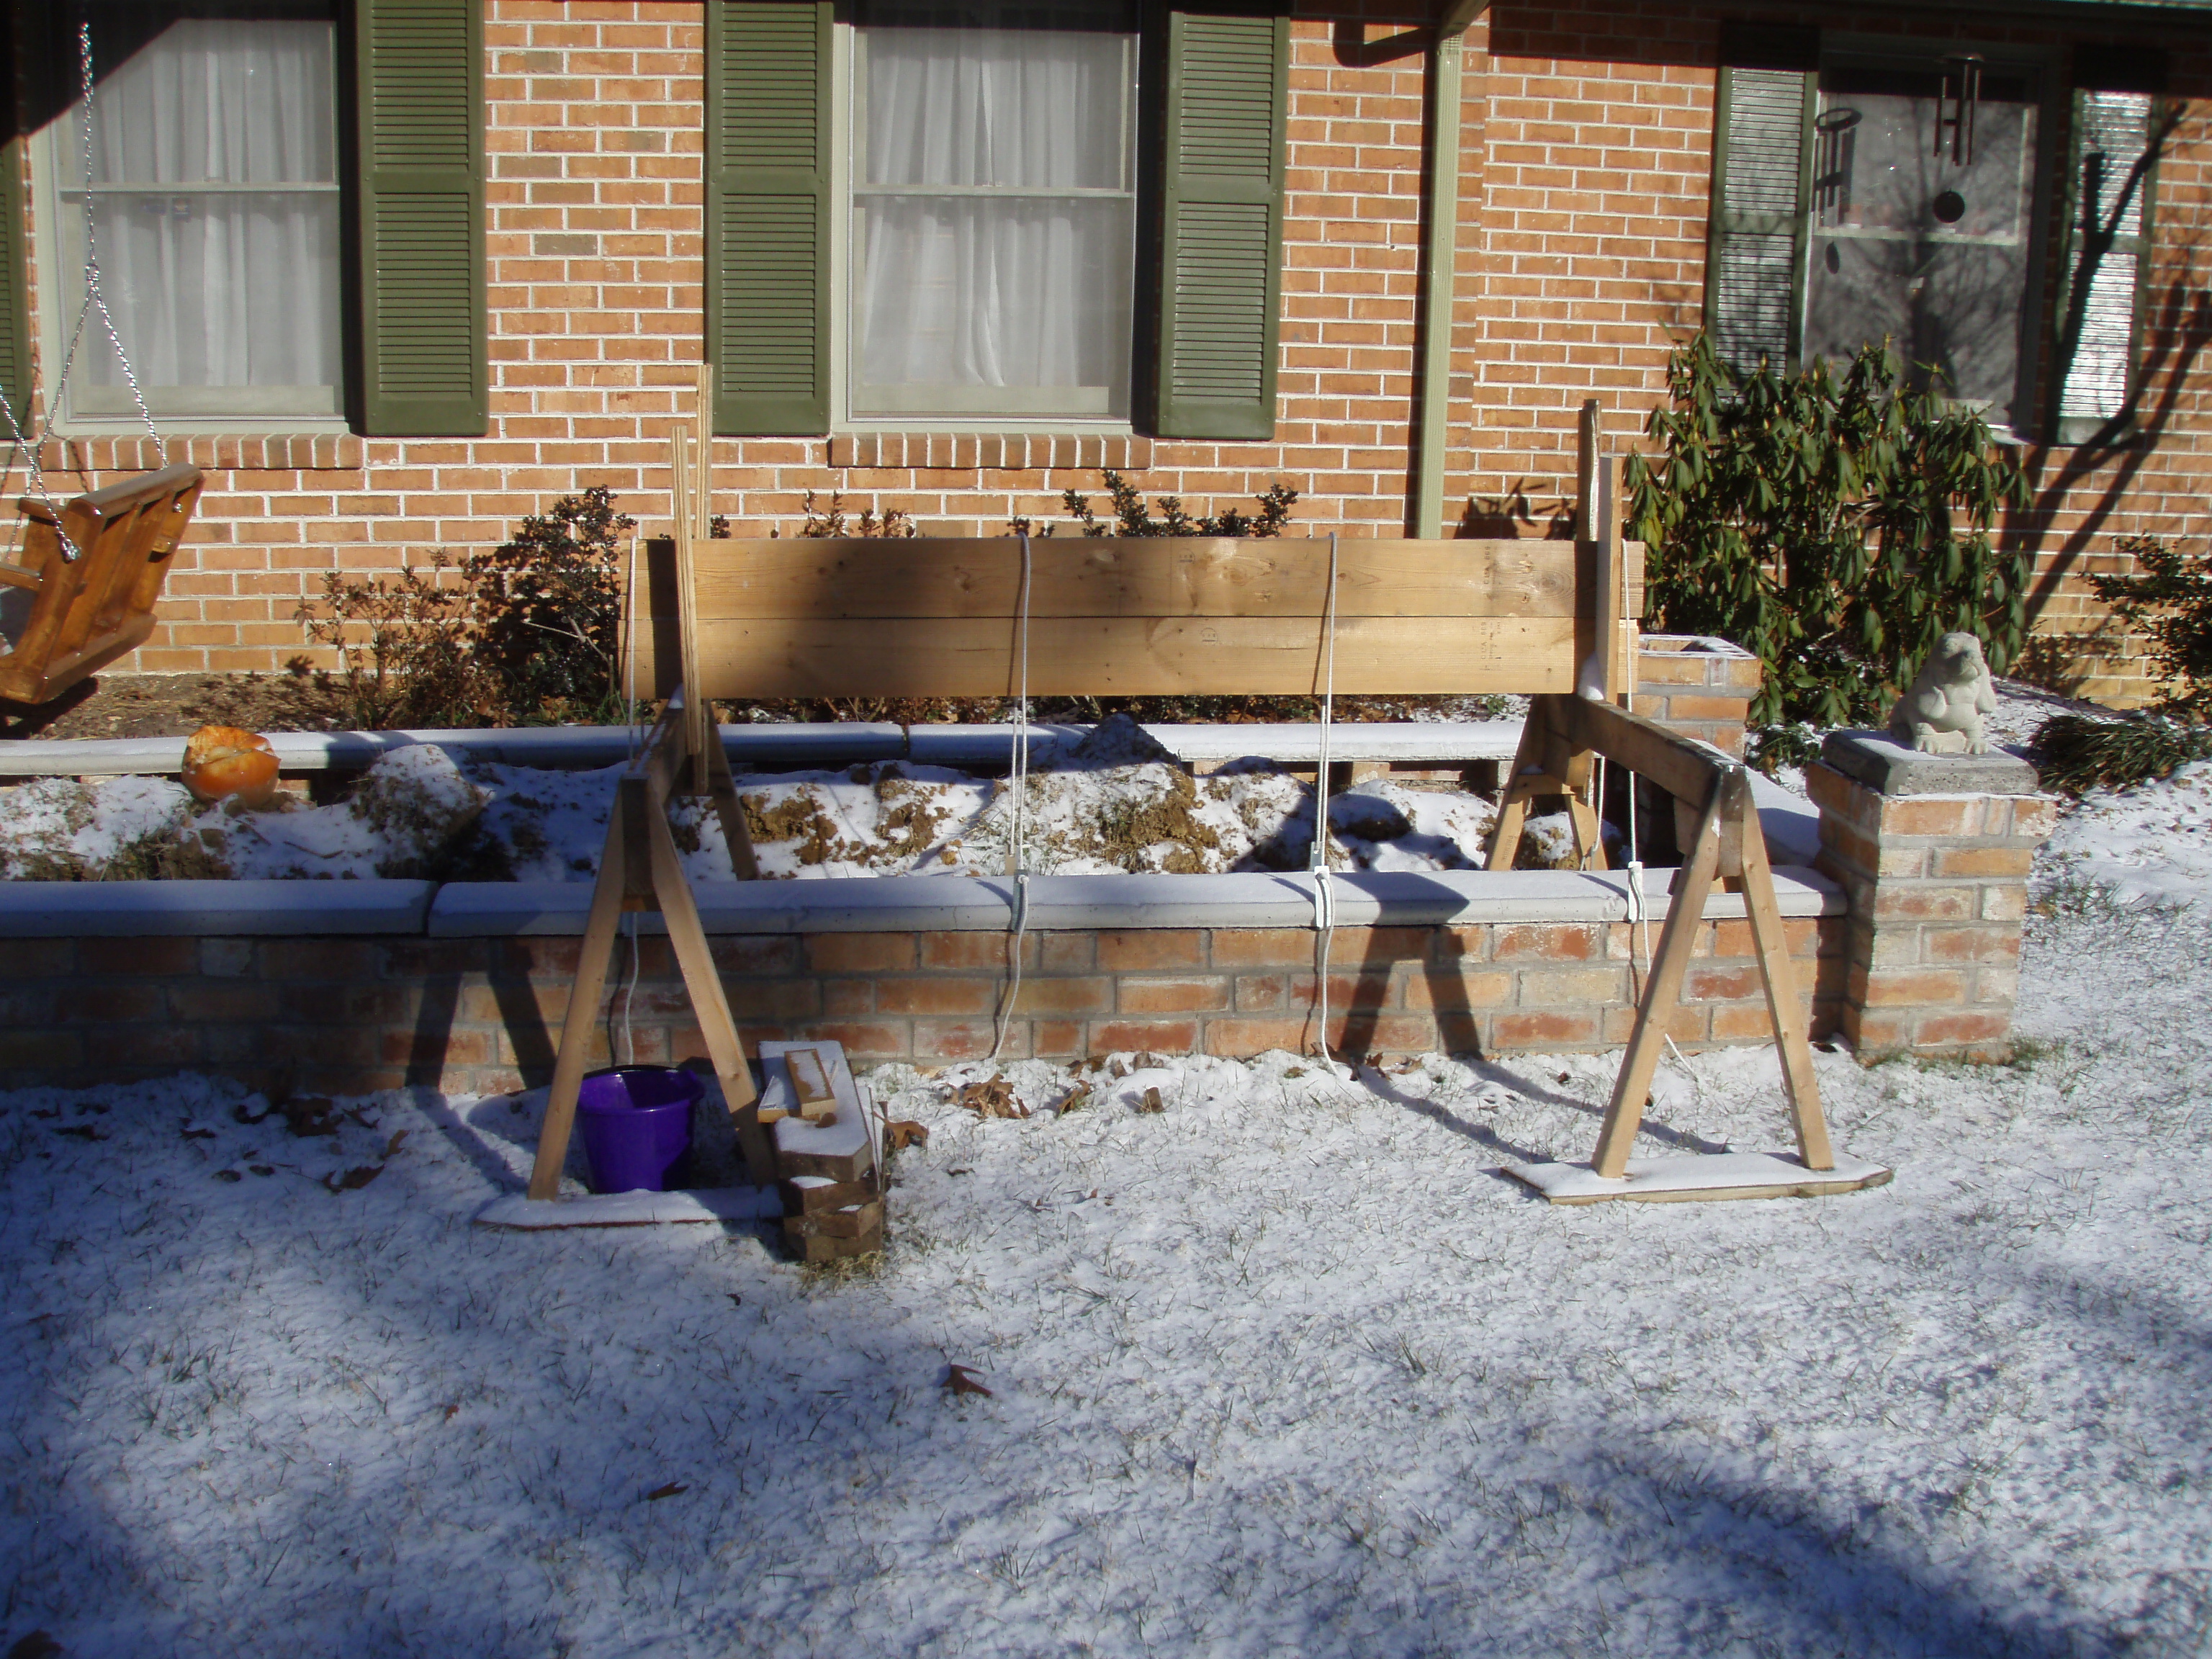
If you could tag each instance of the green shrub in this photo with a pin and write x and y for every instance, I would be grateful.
(1836, 524)
(2169, 597)
(2077, 752)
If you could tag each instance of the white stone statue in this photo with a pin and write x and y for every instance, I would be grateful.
(1941, 714)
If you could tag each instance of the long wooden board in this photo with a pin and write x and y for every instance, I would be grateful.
(1125, 656)
(1142, 577)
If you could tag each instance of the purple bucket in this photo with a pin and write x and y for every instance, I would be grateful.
(637, 1124)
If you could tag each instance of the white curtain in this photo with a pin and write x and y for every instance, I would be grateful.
(213, 289)
(1013, 282)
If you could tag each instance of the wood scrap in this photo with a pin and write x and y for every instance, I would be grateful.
(810, 1085)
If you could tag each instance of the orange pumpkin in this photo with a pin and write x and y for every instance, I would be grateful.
(225, 760)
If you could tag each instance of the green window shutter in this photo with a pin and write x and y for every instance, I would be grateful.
(2110, 199)
(1755, 260)
(419, 114)
(767, 214)
(1221, 227)
(14, 298)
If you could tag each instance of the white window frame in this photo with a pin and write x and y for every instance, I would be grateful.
(843, 325)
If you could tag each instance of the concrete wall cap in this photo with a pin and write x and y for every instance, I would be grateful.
(1879, 762)
(62, 909)
(1065, 903)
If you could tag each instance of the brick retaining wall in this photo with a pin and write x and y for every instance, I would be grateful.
(347, 1015)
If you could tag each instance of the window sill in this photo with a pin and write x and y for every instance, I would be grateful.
(271, 452)
(1016, 451)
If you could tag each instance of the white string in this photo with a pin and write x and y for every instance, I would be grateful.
(630, 659)
(629, 992)
(1317, 854)
(1018, 851)
(1639, 919)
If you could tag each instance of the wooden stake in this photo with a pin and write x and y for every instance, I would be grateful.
(1771, 940)
(607, 896)
(1686, 913)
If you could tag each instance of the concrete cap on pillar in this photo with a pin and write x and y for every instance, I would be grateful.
(1881, 762)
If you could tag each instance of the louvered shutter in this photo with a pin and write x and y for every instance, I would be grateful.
(418, 102)
(2108, 241)
(767, 214)
(14, 298)
(1221, 227)
(1755, 259)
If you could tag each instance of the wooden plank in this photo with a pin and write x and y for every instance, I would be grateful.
(817, 1103)
(1771, 942)
(1707, 1176)
(696, 712)
(1683, 769)
(695, 960)
(1662, 990)
(583, 1014)
(1130, 656)
(1108, 576)
(1513, 802)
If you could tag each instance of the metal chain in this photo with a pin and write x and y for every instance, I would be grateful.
(91, 251)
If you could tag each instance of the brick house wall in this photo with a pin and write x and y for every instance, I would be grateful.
(1587, 133)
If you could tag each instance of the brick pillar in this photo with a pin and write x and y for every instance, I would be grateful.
(1934, 851)
(1701, 688)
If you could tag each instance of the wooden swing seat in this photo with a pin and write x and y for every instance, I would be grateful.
(90, 609)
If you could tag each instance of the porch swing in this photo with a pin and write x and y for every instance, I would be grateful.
(94, 567)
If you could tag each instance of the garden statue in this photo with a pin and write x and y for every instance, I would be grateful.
(1941, 714)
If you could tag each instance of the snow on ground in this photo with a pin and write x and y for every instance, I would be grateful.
(1286, 1368)
(2150, 842)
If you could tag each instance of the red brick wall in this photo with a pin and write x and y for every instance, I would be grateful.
(1586, 130)
(348, 1015)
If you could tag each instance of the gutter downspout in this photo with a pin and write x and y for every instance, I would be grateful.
(1431, 409)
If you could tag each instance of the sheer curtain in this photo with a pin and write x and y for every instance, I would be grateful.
(994, 215)
(215, 210)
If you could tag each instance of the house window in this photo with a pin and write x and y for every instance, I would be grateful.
(1870, 195)
(214, 208)
(992, 165)
(1923, 207)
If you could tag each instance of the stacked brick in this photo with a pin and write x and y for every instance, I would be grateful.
(1938, 890)
(345, 1015)
(1700, 688)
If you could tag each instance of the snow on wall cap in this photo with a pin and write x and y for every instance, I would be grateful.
(1881, 762)
(138, 909)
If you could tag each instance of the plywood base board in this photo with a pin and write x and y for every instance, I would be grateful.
(1705, 1178)
(633, 1209)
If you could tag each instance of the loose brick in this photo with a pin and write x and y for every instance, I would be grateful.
(144, 956)
(1141, 949)
(1456, 991)
(1162, 1037)
(1549, 942)
(755, 953)
(993, 951)
(1953, 815)
(1190, 994)
(1263, 947)
(866, 1039)
(1556, 988)
(1963, 1026)
(936, 1043)
(1901, 987)
(1997, 943)
(1242, 1038)
(1954, 863)
(859, 953)
(1551, 1028)
(936, 996)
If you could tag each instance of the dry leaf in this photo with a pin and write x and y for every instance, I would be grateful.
(669, 1490)
(904, 1132)
(993, 1099)
(79, 1131)
(194, 1133)
(354, 1179)
(1152, 1101)
(961, 1380)
(392, 1144)
(1078, 1097)
(37, 1645)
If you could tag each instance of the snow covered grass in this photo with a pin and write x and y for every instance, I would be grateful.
(1284, 1368)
